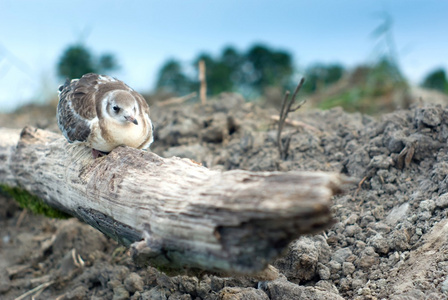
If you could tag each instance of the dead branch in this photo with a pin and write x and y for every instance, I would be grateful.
(287, 103)
(203, 82)
(176, 100)
(298, 124)
(175, 213)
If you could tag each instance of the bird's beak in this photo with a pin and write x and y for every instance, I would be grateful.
(131, 119)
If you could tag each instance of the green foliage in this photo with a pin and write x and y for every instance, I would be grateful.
(107, 62)
(249, 73)
(369, 89)
(319, 76)
(172, 78)
(33, 203)
(436, 80)
(220, 73)
(268, 67)
(77, 60)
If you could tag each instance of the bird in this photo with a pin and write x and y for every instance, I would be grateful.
(103, 113)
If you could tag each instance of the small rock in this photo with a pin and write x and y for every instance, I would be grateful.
(345, 284)
(301, 260)
(78, 293)
(334, 266)
(444, 285)
(442, 201)
(120, 293)
(133, 283)
(428, 205)
(357, 283)
(397, 213)
(351, 230)
(341, 254)
(400, 240)
(348, 268)
(357, 163)
(281, 289)
(327, 286)
(428, 116)
(379, 243)
(156, 293)
(381, 162)
(352, 219)
(113, 283)
(368, 258)
(426, 215)
(204, 287)
(240, 293)
(323, 271)
(381, 228)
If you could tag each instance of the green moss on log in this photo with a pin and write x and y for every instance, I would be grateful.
(33, 203)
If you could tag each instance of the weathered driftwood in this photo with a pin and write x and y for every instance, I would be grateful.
(189, 216)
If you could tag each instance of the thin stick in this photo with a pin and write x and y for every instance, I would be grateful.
(36, 289)
(203, 87)
(299, 86)
(281, 122)
(296, 124)
(177, 100)
(284, 111)
(21, 217)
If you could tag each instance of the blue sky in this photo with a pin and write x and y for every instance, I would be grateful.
(144, 34)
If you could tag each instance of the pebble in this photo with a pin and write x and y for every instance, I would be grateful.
(444, 285)
(133, 283)
(120, 293)
(442, 201)
(379, 243)
(78, 293)
(334, 266)
(427, 205)
(323, 271)
(348, 268)
(397, 214)
(341, 254)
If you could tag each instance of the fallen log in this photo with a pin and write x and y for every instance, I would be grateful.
(173, 212)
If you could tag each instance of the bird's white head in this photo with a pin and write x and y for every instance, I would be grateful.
(122, 107)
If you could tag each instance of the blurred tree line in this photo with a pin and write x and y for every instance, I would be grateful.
(231, 71)
(436, 80)
(249, 73)
(254, 71)
(78, 60)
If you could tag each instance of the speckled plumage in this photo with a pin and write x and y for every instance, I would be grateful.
(85, 114)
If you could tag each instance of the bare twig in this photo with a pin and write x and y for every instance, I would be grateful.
(21, 217)
(285, 110)
(176, 100)
(203, 87)
(296, 123)
(35, 290)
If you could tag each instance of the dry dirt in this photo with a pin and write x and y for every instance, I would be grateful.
(389, 240)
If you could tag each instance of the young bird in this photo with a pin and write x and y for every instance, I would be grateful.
(103, 113)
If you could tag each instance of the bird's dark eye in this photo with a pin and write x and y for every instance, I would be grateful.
(116, 108)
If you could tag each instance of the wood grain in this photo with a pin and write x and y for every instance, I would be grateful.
(173, 212)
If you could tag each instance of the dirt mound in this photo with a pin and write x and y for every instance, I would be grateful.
(390, 234)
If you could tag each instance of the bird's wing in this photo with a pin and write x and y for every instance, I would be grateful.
(75, 111)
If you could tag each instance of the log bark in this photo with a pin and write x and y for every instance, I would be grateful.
(173, 212)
